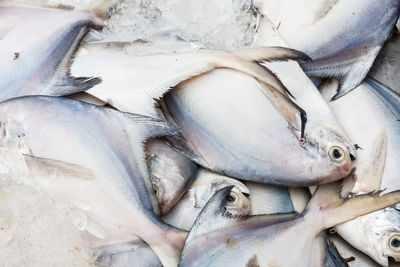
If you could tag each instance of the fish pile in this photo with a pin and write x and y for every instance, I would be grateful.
(163, 149)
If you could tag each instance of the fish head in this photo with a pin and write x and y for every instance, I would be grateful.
(207, 183)
(383, 235)
(330, 153)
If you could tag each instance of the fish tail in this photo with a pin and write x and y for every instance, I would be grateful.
(335, 210)
(170, 246)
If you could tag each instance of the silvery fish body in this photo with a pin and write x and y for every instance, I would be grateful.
(97, 170)
(370, 114)
(224, 103)
(36, 48)
(219, 238)
(239, 132)
(357, 32)
(151, 76)
(170, 172)
(206, 183)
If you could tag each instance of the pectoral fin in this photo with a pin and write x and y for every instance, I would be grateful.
(47, 168)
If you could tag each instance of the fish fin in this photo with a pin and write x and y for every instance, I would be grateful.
(141, 79)
(388, 96)
(42, 167)
(333, 257)
(370, 179)
(169, 250)
(151, 127)
(68, 85)
(61, 82)
(294, 114)
(348, 75)
(103, 256)
(185, 148)
(334, 210)
(299, 197)
(272, 53)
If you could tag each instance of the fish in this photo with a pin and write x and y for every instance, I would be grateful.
(91, 160)
(220, 238)
(137, 96)
(204, 186)
(357, 32)
(170, 172)
(370, 114)
(216, 128)
(37, 47)
(210, 107)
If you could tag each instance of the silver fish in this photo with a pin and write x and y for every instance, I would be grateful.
(36, 49)
(204, 186)
(99, 171)
(232, 136)
(370, 114)
(170, 172)
(213, 106)
(218, 238)
(138, 96)
(357, 32)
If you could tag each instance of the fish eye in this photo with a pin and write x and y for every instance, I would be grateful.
(155, 189)
(394, 243)
(231, 198)
(336, 153)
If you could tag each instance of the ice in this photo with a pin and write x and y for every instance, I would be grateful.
(33, 230)
(221, 24)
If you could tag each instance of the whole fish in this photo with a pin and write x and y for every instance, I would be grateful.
(220, 239)
(230, 135)
(370, 114)
(357, 32)
(37, 46)
(170, 172)
(206, 183)
(91, 160)
(214, 106)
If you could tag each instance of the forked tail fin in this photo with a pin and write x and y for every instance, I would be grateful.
(334, 210)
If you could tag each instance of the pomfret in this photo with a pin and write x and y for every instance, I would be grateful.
(209, 108)
(36, 49)
(370, 114)
(139, 93)
(206, 183)
(218, 238)
(231, 136)
(357, 32)
(170, 172)
(100, 173)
